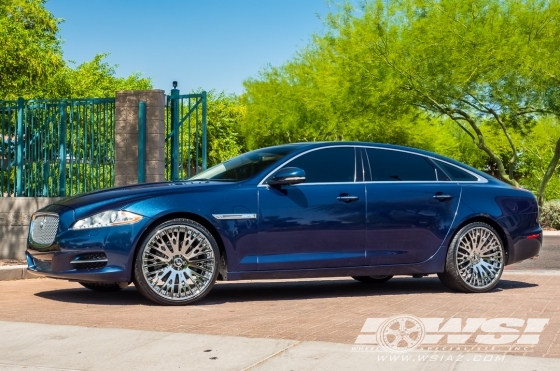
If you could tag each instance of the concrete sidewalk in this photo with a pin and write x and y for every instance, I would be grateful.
(36, 347)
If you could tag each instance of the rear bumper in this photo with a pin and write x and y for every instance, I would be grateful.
(525, 247)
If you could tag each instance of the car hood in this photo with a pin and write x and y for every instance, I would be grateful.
(119, 197)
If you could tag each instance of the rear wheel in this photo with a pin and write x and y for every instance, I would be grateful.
(475, 259)
(372, 279)
(177, 263)
(101, 287)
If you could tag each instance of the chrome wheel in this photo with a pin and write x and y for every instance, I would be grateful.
(178, 262)
(475, 259)
(480, 259)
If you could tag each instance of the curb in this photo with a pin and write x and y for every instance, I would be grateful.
(551, 233)
(15, 272)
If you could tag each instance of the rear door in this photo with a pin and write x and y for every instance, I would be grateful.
(410, 207)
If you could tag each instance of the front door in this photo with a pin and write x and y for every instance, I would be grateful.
(316, 224)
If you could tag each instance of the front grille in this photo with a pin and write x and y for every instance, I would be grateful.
(43, 228)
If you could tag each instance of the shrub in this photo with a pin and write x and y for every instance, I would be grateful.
(550, 214)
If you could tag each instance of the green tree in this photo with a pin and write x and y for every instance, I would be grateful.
(31, 50)
(32, 64)
(469, 79)
(460, 59)
(95, 78)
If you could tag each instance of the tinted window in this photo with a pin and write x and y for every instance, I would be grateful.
(455, 173)
(393, 166)
(327, 165)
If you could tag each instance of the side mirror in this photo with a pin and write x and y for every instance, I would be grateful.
(286, 176)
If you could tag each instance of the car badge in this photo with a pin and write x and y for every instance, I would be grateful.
(42, 223)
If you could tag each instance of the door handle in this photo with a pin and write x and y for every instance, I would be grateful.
(441, 197)
(347, 198)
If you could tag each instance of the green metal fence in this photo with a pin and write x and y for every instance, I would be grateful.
(56, 147)
(185, 135)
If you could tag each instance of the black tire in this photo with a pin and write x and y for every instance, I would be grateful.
(372, 279)
(101, 287)
(489, 264)
(160, 243)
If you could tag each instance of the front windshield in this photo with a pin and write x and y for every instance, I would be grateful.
(246, 165)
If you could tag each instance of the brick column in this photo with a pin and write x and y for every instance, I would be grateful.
(126, 136)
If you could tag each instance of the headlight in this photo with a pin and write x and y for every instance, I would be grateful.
(107, 219)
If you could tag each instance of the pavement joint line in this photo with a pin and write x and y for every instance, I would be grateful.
(272, 356)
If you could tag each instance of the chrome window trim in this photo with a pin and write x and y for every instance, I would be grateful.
(478, 177)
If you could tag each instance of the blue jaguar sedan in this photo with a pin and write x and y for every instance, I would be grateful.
(365, 210)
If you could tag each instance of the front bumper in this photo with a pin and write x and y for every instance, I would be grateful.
(90, 255)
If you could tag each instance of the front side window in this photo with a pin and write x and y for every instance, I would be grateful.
(391, 166)
(327, 165)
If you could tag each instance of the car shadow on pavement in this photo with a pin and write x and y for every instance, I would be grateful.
(246, 291)
(301, 290)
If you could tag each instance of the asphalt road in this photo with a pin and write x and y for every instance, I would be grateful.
(548, 259)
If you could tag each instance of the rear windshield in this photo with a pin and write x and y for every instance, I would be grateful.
(247, 165)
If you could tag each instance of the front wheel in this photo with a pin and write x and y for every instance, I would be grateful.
(475, 259)
(372, 279)
(177, 263)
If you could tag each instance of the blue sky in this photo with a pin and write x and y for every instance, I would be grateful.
(209, 44)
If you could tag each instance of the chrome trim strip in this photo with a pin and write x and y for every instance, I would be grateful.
(43, 213)
(234, 216)
(89, 261)
(480, 179)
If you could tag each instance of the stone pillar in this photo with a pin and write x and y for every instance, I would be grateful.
(126, 136)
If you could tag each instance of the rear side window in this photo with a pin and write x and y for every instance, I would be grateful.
(327, 165)
(390, 166)
(455, 173)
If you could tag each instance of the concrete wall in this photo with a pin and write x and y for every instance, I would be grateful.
(15, 214)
